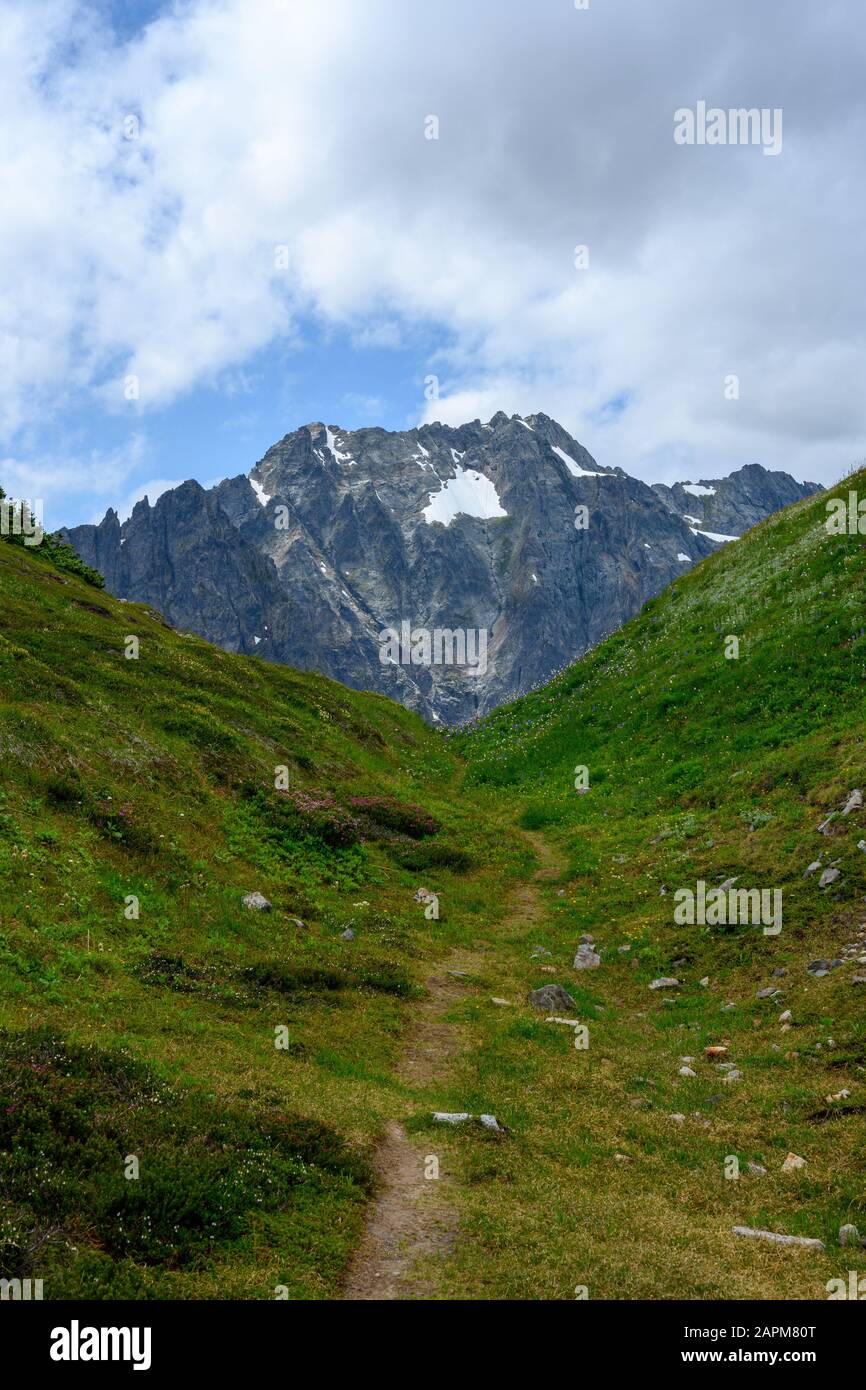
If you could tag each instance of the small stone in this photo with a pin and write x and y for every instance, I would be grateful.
(540, 951)
(586, 939)
(861, 844)
(726, 1008)
(854, 802)
(687, 1060)
(586, 958)
(813, 868)
(828, 876)
(567, 1022)
(792, 1163)
(622, 1158)
(623, 949)
(849, 1235)
(687, 1071)
(785, 1017)
(444, 1117)
(347, 935)
(665, 982)
(297, 921)
(713, 1052)
(757, 1170)
(704, 982)
(840, 1095)
(819, 968)
(505, 1002)
(779, 972)
(779, 1239)
(732, 1076)
(678, 1119)
(550, 997)
(824, 827)
(257, 902)
(491, 1122)
(547, 969)
(768, 993)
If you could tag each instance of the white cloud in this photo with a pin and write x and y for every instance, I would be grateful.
(301, 126)
(94, 474)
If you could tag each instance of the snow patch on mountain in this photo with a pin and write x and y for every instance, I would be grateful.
(468, 493)
(575, 468)
(713, 535)
(264, 497)
(331, 443)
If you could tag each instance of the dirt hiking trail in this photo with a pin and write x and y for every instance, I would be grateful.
(412, 1217)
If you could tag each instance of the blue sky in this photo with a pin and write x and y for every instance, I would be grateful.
(265, 212)
(222, 429)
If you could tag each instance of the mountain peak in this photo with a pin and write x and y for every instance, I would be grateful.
(506, 536)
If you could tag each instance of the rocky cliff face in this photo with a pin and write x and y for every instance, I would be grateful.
(448, 568)
(729, 506)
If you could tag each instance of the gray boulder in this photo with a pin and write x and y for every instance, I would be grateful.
(550, 997)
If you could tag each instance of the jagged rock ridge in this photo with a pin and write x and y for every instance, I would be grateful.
(729, 506)
(342, 549)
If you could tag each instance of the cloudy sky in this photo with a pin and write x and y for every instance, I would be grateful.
(222, 219)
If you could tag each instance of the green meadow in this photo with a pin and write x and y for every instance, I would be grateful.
(193, 1092)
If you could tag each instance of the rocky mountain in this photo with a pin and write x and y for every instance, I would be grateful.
(726, 507)
(450, 568)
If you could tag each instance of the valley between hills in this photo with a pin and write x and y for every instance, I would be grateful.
(213, 961)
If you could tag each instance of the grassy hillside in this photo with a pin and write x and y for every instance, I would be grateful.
(700, 767)
(140, 998)
(175, 783)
